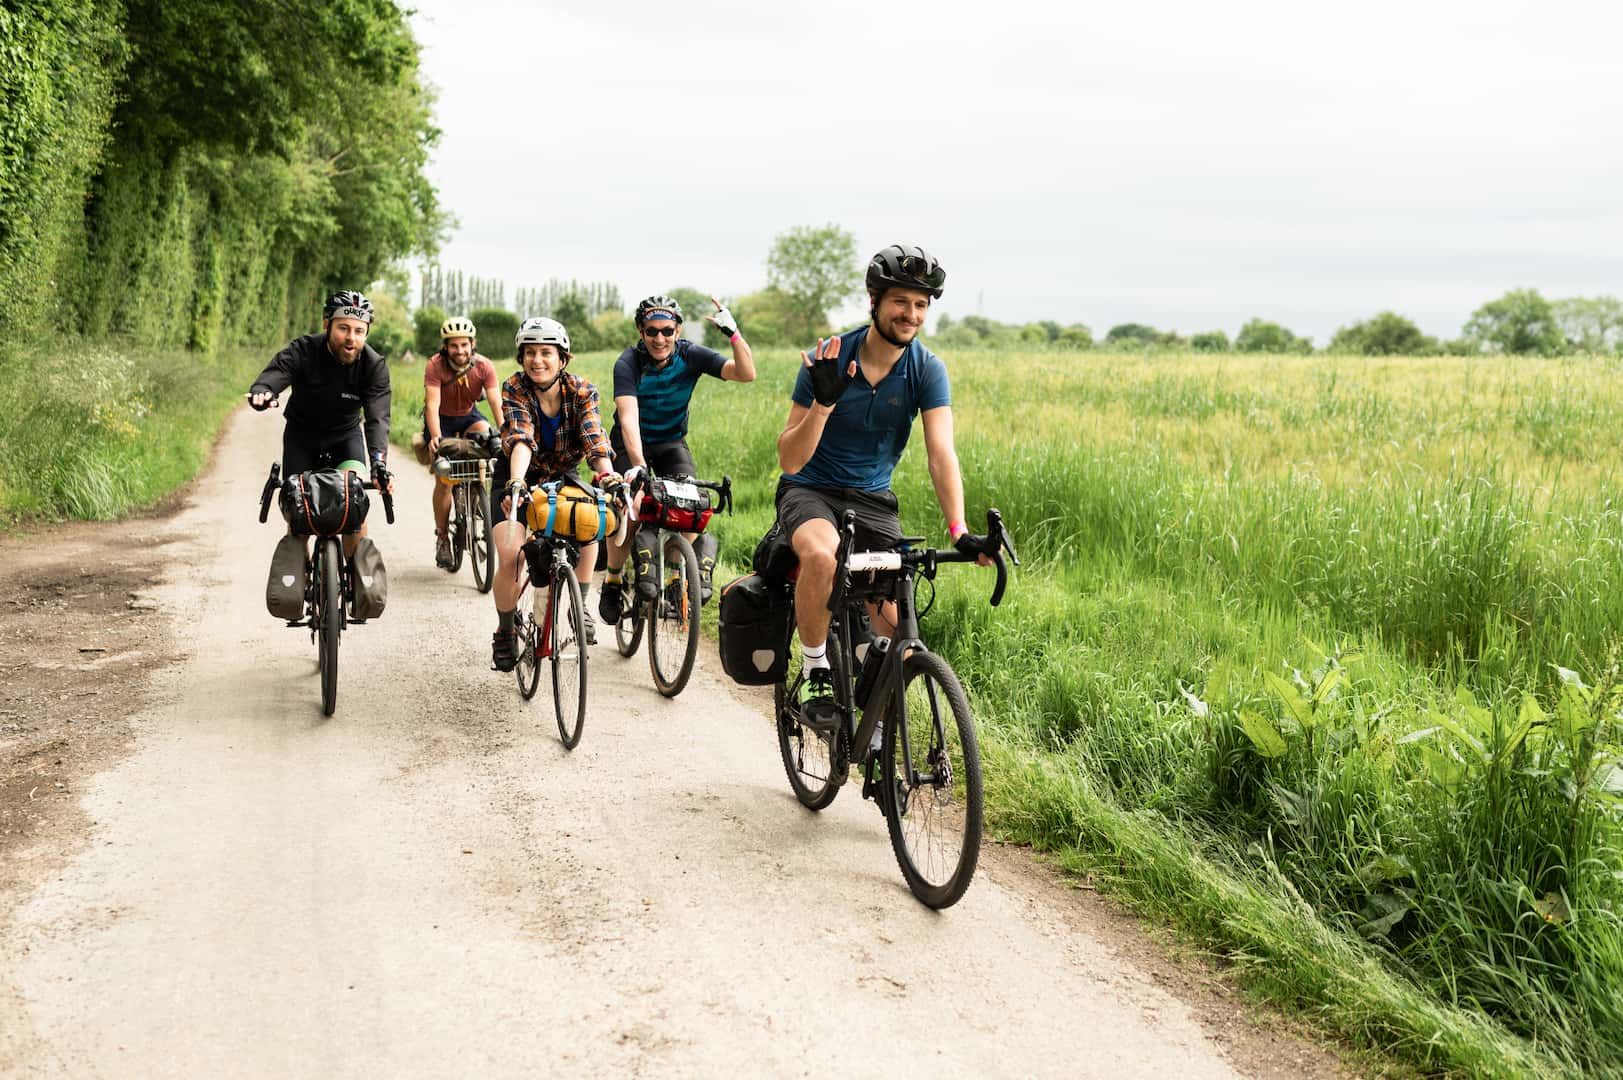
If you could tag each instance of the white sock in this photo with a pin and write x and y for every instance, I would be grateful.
(814, 658)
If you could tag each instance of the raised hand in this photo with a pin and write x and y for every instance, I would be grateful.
(828, 378)
(723, 319)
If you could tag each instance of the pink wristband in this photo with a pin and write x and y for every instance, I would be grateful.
(734, 339)
(957, 529)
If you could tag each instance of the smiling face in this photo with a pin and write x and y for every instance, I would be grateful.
(542, 363)
(459, 350)
(900, 313)
(345, 338)
(659, 333)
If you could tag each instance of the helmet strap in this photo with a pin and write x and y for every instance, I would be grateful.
(873, 321)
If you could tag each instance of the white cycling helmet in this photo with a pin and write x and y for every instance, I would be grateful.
(542, 331)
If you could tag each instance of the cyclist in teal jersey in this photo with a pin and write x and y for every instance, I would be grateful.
(654, 382)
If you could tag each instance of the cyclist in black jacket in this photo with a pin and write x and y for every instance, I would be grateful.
(335, 376)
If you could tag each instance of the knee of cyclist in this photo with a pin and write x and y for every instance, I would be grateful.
(817, 563)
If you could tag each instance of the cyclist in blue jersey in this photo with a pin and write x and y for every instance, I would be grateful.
(853, 406)
(654, 382)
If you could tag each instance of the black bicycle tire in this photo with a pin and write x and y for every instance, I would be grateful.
(528, 667)
(664, 682)
(484, 570)
(792, 735)
(332, 621)
(945, 893)
(565, 581)
(628, 629)
(458, 527)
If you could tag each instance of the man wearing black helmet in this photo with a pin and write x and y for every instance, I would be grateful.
(336, 378)
(654, 382)
(853, 407)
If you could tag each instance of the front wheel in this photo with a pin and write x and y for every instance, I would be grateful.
(458, 527)
(479, 553)
(330, 621)
(568, 656)
(528, 668)
(628, 630)
(673, 629)
(931, 791)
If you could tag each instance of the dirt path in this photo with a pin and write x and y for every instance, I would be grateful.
(428, 884)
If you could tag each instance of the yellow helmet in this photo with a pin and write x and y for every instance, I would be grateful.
(457, 326)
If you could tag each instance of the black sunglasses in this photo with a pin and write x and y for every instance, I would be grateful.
(922, 271)
(659, 331)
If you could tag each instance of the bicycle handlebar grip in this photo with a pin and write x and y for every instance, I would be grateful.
(1002, 578)
(272, 482)
(388, 507)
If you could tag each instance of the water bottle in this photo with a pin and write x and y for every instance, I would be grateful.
(872, 660)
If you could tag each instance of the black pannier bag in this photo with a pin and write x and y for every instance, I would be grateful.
(324, 503)
(371, 583)
(754, 631)
(284, 590)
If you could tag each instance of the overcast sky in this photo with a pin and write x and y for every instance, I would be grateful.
(1183, 164)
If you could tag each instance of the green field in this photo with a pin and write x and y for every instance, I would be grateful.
(1314, 657)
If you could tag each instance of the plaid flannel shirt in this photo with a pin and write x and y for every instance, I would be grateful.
(580, 436)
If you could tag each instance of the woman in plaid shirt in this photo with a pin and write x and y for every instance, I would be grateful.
(550, 424)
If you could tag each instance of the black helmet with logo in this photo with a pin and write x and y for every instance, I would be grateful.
(658, 303)
(348, 304)
(906, 266)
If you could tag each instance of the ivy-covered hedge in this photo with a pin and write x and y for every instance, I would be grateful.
(200, 180)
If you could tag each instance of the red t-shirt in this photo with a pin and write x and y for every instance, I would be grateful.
(458, 396)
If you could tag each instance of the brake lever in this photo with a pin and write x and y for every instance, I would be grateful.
(271, 484)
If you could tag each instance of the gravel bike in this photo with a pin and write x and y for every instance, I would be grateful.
(463, 465)
(555, 630)
(330, 589)
(667, 508)
(924, 768)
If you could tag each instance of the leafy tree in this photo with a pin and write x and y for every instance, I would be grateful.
(571, 310)
(1519, 322)
(766, 317)
(1259, 335)
(1124, 332)
(1385, 334)
(816, 269)
(614, 329)
(695, 306)
(1075, 336)
(392, 328)
(1591, 324)
(426, 325)
(1209, 342)
(497, 327)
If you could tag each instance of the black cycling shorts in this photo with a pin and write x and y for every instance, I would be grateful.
(666, 459)
(304, 450)
(879, 526)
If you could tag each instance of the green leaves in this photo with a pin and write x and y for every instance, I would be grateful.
(1262, 733)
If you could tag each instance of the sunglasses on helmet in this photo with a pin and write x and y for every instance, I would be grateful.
(921, 270)
(659, 331)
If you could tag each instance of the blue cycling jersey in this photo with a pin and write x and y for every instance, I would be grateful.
(867, 432)
(662, 393)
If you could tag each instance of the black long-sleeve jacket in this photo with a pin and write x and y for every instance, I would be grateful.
(328, 396)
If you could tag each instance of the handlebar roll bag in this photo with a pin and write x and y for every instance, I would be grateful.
(675, 504)
(576, 515)
(324, 502)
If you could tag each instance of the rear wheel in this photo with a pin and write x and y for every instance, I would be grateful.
(808, 758)
(479, 553)
(673, 627)
(329, 620)
(932, 783)
(568, 656)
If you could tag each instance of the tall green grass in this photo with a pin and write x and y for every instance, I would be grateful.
(96, 431)
(1410, 829)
